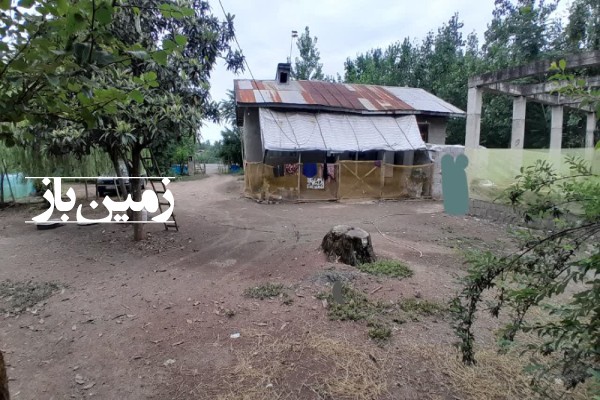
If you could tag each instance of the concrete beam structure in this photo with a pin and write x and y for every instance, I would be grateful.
(590, 126)
(517, 136)
(544, 93)
(549, 87)
(587, 59)
(556, 127)
(473, 126)
(543, 98)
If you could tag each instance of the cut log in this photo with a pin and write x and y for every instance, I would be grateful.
(348, 244)
(3, 380)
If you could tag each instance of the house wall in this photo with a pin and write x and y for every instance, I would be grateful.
(436, 128)
(253, 148)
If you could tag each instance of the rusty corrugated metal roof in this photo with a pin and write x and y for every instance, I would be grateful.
(354, 98)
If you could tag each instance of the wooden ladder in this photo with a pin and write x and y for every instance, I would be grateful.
(152, 169)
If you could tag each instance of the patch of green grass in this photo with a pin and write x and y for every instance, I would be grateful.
(356, 305)
(416, 307)
(379, 331)
(264, 291)
(16, 297)
(393, 268)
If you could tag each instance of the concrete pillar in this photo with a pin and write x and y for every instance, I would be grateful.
(473, 129)
(556, 127)
(590, 126)
(518, 123)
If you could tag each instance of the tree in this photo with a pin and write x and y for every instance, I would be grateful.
(159, 92)
(231, 146)
(547, 264)
(49, 56)
(230, 150)
(307, 67)
(583, 28)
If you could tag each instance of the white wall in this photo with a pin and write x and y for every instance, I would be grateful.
(253, 149)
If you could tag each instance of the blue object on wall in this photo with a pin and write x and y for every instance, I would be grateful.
(309, 170)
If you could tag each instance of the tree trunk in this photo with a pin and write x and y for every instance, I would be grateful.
(115, 160)
(136, 191)
(1, 188)
(348, 244)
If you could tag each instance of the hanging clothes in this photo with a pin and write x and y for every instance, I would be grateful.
(331, 171)
(291, 169)
(309, 170)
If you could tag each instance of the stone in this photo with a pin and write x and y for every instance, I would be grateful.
(349, 245)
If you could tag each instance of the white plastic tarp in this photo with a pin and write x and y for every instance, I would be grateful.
(293, 131)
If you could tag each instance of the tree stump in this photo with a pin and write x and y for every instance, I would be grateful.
(348, 244)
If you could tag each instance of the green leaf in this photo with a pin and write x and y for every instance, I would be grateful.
(88, 118)
(62, 6)
(137, 96)
(104, 14)
(160, 57)
(165, 9)
(149, 76)
(138, 54)
(4, 4)
(169, 45)
(75, 22)
(187, 11)
(562, 64)
(181, 40)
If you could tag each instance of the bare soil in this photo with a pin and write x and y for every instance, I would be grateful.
(154, 319)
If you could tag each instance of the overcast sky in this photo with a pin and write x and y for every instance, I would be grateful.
(344, 29)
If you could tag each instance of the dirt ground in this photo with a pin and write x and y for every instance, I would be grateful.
(153, 320)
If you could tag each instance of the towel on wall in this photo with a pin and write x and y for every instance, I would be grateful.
(309, 170)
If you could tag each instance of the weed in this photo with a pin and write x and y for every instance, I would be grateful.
(415, 307)
(264, 291)
(356, 306)
(379, 331)
(393, 268)
(19, 296)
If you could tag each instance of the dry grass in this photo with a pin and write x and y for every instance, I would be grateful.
(303, 366)
(495, 377)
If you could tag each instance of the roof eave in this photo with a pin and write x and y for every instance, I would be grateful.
(310, 107)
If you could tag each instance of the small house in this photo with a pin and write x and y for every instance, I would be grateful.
(315, 140)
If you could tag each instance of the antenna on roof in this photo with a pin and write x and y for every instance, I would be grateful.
(294, 35)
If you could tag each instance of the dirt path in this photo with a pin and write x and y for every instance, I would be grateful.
(149, 320)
